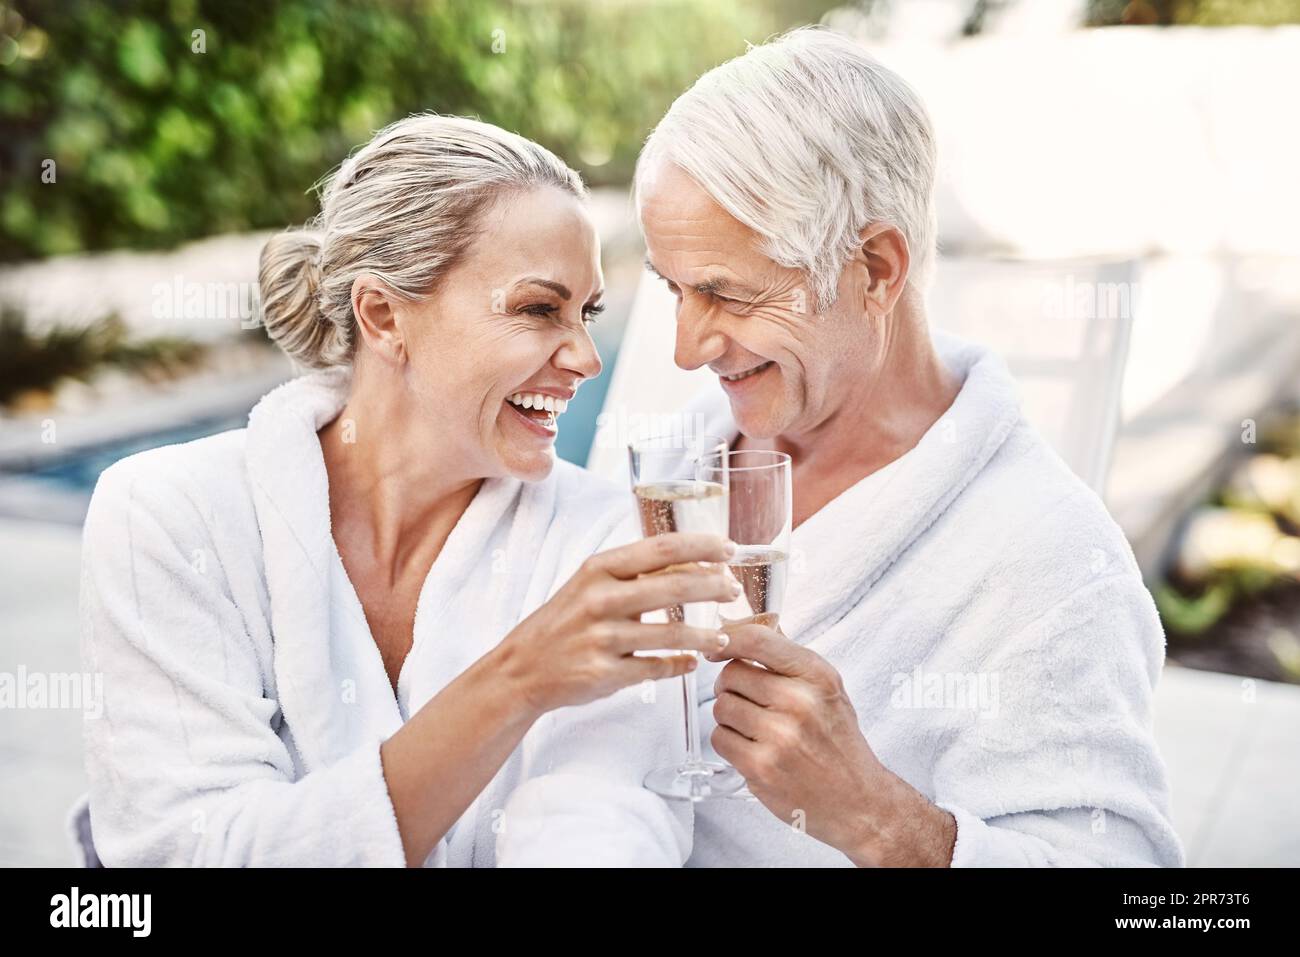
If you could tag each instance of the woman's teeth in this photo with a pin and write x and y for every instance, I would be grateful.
(535, 400)
(746, 375)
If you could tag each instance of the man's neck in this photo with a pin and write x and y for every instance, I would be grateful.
(879, 419)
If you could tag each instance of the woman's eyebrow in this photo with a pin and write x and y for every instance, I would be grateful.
(559, 289)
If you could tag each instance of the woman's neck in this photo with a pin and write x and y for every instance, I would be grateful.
(395, 499)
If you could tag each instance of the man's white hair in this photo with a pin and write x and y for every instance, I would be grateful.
(808, 140)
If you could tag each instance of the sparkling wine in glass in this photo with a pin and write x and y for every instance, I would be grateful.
(760, 504)
(672, 497)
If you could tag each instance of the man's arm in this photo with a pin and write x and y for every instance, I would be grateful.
(1068, 775)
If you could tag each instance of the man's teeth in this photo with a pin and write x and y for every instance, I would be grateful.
(535, 400)
(746, 375)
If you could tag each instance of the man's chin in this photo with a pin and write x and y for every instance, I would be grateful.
(756, 424)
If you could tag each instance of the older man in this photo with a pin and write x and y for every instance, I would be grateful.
(971, 654)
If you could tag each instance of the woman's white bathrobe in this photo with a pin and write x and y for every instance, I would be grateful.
(245, 699)
(995, 638)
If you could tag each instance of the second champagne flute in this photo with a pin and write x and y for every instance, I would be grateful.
(760, 506)
(672, 497)
(760, 502)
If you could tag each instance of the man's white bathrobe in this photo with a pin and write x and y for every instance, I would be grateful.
(995, 638)
(245, 699)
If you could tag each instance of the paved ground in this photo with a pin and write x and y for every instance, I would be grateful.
(1232, 746)
(40, 751)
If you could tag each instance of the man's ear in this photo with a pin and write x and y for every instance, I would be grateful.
(883, 253)
(374, 306)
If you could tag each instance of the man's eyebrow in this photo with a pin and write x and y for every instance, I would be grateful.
(559, 289)
(714, 284)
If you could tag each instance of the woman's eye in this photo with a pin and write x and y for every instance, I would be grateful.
(592, 312)
(540, 309)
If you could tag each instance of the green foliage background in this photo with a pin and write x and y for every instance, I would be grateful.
(155, 143)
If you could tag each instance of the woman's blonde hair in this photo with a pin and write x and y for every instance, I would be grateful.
(403, 208)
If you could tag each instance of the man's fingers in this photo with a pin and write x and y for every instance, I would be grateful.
(750, 681)
(732, 746)
(740, 715)
(636, 636)
(660, 551)
(769, 648)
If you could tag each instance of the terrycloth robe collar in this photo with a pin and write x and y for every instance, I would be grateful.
(312, 656)
(919, 487)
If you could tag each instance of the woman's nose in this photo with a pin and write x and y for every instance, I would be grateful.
(579, 356)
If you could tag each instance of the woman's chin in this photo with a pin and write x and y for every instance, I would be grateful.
(529, 465)
(525, 448)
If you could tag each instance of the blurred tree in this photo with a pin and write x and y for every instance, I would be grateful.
(1206, 13)
(172, 119)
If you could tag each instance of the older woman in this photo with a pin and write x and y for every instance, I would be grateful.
(310, 629)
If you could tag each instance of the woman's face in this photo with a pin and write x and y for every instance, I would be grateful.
(498, 350)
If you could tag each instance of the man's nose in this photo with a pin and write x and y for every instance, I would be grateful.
(699, 341)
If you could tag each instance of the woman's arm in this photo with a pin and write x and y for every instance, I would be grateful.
(459, 739)
(185, 765)
(582, 802)
(184, 762)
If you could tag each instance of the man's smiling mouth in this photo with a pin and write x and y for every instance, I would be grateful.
(747, 373)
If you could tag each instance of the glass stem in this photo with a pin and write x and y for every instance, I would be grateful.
(690, 702)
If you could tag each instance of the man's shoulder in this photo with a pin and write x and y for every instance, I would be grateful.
(1035, 552)
(1042, 525)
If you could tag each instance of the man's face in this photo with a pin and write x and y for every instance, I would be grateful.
(752, 321)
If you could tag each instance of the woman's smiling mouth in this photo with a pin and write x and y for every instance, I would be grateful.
(537, 411)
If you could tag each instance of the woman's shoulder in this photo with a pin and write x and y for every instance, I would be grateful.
(578, 489)
(599, 511)
(203, 476)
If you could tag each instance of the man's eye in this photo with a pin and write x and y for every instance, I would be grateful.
(674, 289)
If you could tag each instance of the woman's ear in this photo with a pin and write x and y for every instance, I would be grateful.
(374, 306)
(883, 253)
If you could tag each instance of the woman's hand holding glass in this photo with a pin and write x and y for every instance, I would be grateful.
(582, 644)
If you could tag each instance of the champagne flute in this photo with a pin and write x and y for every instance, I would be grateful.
(671, 497)
(760, 498)
(760, 494)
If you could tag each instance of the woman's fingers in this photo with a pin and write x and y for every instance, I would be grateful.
(666, 589)
(657, 668)
(635, 636)
(660, 551)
